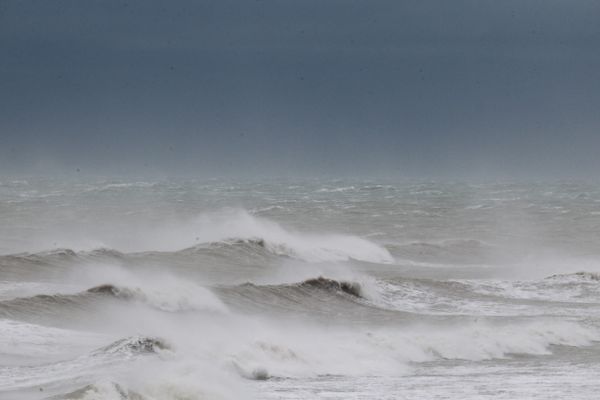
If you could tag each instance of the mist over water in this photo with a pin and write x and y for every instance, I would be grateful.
(114, 289)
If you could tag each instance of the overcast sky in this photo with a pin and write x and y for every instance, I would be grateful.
(338, 88)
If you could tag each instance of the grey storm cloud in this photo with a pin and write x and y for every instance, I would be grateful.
(394, 88)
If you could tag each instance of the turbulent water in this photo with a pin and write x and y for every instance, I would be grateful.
(299, 290)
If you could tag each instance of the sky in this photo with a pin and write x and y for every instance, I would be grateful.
(405, 88)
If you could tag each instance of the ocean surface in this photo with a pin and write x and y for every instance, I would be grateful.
(299, 289)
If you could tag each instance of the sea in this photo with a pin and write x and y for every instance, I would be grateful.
(298, 289)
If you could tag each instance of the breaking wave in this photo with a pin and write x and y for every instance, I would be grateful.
(134, 345)
(141, 297)
(580, 276)
(297, 296)
(185, 298)
(224, 230)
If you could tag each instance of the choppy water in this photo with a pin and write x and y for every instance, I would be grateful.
(299, 290)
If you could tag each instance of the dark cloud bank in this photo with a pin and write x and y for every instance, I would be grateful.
(341, 88)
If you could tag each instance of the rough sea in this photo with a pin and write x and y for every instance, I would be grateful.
(299, 289)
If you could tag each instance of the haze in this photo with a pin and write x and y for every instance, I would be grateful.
(456, 89)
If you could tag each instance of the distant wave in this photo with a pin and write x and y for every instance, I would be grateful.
(231, 227)
(235, 227)
(460, 251)
(306, 248)
(336, 189)
(576, 276)
(234, 250)
(52, 263)
(122, 186)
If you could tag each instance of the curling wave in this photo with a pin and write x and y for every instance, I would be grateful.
(185, 298)
(224, 230)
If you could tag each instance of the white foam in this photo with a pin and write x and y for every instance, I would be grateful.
(178, 296)
(163, 291)
(29, 340)
(307, 246)
(223, 225)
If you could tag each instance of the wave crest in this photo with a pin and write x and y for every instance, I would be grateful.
(351, 288)
(236, 228)
(115, 291)
(134, 345)
(182, 298)
(576, 276)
